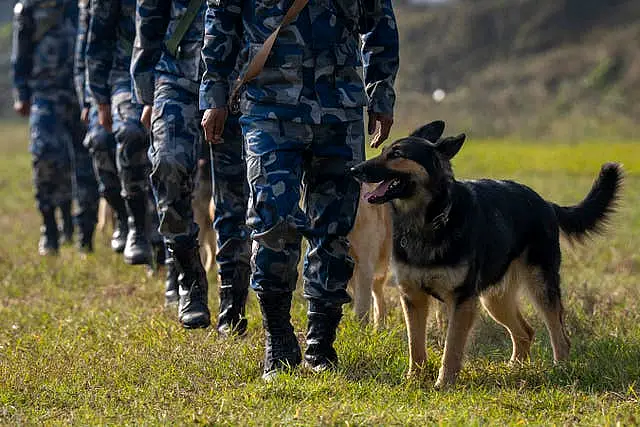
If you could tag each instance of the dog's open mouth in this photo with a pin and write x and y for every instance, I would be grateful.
(385, 191)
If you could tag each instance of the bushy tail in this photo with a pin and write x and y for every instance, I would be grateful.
(594, 211)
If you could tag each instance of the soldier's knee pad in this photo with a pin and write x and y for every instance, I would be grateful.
(278, 236)
(132, 138)
(99, 140)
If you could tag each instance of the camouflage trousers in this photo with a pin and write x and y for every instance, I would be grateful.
(132, 144)
(176, 146)
(288, 162)
(62, 167)
(230, 196)
(102, 146)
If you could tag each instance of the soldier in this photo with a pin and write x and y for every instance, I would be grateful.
(167, 69)
(42, 65)
(303, 123)
(108, 56)
(100, 143)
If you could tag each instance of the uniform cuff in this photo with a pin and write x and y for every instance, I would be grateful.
(214, 95)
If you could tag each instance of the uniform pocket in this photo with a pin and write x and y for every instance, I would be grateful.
(280, 82)
(348, 77)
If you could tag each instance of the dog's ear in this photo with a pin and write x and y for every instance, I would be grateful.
(450, 145)
(431, 131)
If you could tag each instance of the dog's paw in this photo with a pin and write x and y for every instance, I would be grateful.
(444, 382)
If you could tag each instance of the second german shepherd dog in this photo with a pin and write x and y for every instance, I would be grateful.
(468, 241)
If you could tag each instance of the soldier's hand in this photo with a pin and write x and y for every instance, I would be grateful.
(145, 118)
(380, 124)
(22, 108)
(213, 122)
(104, 117)
(84, 115)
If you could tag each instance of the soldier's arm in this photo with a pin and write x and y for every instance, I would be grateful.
(22, 55)
(380, 52)
(222, 39)
(80, 65)
(101, 47)
(152, 19)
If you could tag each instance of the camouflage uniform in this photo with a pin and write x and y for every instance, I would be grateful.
(44, 35)
(303, 125)
(170, 83)
(100, 143)
(108, 54)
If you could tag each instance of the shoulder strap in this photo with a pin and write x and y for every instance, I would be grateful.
(183, 25)
(256, 65)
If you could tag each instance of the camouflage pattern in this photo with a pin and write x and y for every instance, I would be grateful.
(171, 85)
(42, 63)
(303, 126)
(152, 64)
(108, 55)
(230, 196)
(100, 143)
(312, 74)
(282, 158)
(102, 146)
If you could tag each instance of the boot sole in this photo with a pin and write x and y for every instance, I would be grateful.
(196, 325)
(138, 260)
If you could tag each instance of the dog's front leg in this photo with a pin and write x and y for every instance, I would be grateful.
(415, 305)
(461, 318)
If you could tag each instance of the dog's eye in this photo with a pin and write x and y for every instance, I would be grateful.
(393, 154)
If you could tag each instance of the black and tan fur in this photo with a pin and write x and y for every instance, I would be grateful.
(465, 242)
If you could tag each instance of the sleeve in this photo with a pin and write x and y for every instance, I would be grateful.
(380, 53)
(101, 47)
(152, 20)
(22, 51)
(222, 40)
(80, 64)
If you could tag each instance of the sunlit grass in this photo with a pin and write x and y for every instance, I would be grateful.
(87, 341)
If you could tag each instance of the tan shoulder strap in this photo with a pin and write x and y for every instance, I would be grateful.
(257, 63)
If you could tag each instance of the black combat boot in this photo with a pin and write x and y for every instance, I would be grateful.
(119, 237)
(85, 241)
(323, 322)
(234, 289)
(48, 244)
(171, 284)
(193, 310)
(137, 249)
(67, 223)
(281, 351)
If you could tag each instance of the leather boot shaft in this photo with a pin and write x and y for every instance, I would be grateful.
(282, 351)
(49, 234)
(323, 321)
(138, 248)
(193, 309)
(234, 289)
(121, 228)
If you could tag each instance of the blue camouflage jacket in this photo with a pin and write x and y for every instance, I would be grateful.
(156, 22)
(109, 45)
(43, 43)
(313, 72)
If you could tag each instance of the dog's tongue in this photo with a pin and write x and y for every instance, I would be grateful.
(377, 192)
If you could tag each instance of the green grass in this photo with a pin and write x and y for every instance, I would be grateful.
(87, 341)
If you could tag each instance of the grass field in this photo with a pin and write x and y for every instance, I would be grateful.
(88, 342)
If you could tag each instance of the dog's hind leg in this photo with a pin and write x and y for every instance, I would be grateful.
(503, 308)
(415, 305)
(461, 318)
(544, 290)
(379, 303)
(361, 283)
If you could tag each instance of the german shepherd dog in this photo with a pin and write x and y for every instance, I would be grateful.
(464, 241)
